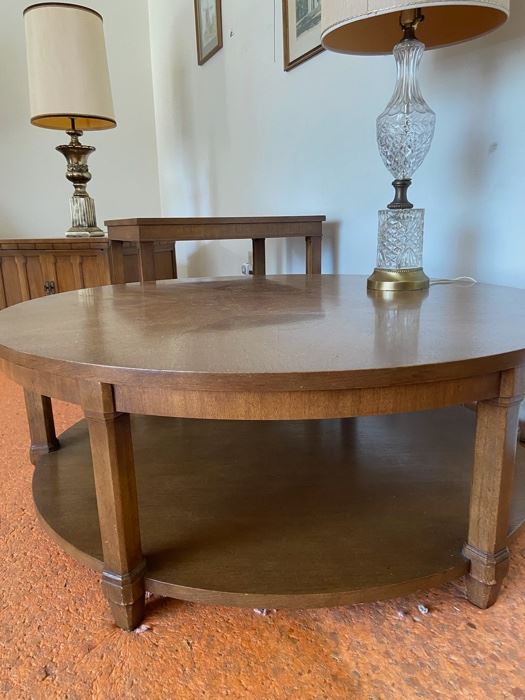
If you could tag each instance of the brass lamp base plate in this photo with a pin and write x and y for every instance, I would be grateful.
(85, 233)
(398, 280)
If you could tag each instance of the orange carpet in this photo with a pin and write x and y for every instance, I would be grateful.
(57, 639)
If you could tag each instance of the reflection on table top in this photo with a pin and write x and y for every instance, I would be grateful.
(289, 324)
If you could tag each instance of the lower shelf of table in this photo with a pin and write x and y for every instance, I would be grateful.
(283, 514)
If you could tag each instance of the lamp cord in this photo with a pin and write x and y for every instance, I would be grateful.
(468, 281)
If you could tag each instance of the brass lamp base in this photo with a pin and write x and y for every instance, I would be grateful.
(85, 233)
(83, 216)
(398, 280)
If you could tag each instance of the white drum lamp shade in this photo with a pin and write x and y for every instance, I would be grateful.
(367, 26)
(67, 68)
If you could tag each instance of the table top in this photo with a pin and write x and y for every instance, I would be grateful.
(209, 220)
(214, 228)
(293, 332)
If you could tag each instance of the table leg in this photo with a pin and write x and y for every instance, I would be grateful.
(313, 255)
(259, 256)
(494, 463)
(116, 261)
(41, 425)
(115, 485)
(147, 261)
(174, 261)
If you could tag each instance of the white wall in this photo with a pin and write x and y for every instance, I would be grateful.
(34, 193)
(238, 136)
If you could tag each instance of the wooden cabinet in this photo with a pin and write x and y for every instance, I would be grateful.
(31, 268)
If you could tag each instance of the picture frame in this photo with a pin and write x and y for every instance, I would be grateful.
(208, 28)
(301, 31)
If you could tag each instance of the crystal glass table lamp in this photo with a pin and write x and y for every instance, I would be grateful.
(69, 90)
(406, 128)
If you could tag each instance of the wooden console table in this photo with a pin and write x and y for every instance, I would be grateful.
(277, 458)
(144, 232)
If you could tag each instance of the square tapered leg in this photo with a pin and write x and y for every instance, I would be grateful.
(41, 425)
(117, 504)
(494, 463)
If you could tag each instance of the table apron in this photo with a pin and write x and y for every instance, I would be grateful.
(52, 384)
(303, 405)
(216, 231)
(266, 405)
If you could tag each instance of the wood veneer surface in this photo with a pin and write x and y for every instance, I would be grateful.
(292, 514)
(295, 332)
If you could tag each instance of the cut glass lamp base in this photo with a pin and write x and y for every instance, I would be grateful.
(398, 280)
(399, 251)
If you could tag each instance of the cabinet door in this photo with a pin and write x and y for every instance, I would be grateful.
(78, 270)
(11, 280)
(35, 276)
(69, 273)
(49, 273)
(22, 278)
(95, 269)
(15, 278)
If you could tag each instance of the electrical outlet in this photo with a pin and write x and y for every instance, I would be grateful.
(246, 269)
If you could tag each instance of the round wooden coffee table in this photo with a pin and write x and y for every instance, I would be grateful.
(286, 441)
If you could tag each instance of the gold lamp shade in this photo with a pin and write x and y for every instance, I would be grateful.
(67, 68)
(367, 26)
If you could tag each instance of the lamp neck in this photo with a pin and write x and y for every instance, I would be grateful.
(76, 155)
(409, 21)
(75, 136)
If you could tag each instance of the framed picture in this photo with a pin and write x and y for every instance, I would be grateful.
(208, 25)
(302, 31)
